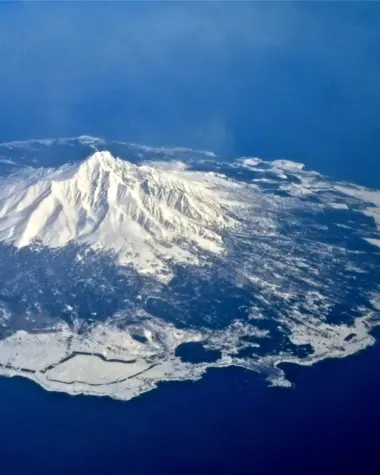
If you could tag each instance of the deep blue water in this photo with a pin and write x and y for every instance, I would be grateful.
(228, 423)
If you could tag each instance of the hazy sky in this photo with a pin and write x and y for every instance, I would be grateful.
(296, 80)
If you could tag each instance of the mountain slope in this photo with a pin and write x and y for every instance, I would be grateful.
(146, 216)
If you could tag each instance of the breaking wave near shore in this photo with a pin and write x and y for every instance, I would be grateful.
(123, 265)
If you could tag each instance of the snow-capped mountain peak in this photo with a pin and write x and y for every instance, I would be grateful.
(145, 216)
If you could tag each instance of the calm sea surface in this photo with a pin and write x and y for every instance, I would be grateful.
(228, 423)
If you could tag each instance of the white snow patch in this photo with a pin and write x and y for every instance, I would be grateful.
(250, 163)
(174, 165)
(288, 165)
(338, 205)
(375, 242)
(365, 195)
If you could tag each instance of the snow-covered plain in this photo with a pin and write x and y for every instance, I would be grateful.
(265, 262)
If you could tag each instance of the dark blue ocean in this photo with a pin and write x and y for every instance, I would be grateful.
(227, 423)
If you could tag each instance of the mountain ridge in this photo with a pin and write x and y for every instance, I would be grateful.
(144, 215)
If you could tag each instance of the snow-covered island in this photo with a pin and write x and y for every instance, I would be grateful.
(111, 264)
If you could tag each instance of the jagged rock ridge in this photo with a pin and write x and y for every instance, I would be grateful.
(145, 216)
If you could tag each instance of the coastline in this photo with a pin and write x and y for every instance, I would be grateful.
(191, 426)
